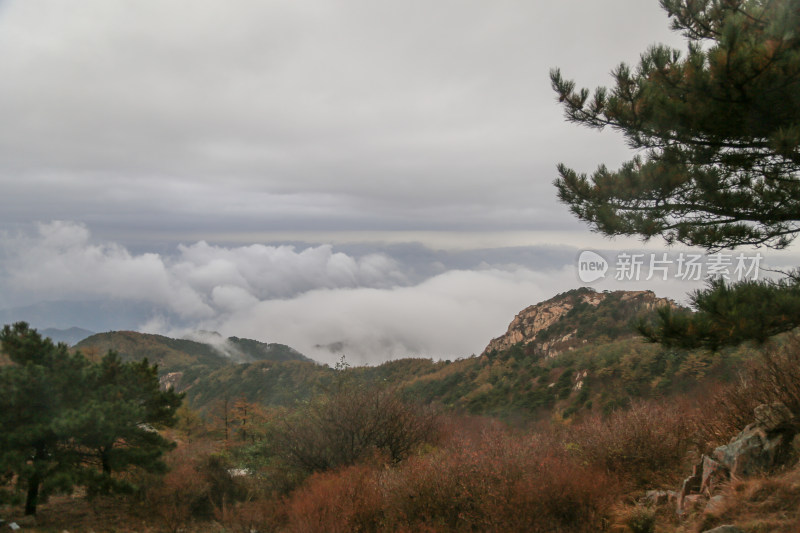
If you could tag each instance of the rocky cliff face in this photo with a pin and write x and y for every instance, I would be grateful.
(556, 323)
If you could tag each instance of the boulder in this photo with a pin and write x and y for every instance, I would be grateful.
(760, 446)
(750, 452)
(690, 486)
(766, 443)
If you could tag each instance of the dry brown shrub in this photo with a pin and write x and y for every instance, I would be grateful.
(646, 444)
(352, 424)
(497, 482)
(175, 498)
(196, 484)
(341, 501)
(766, 504)
(255, 515)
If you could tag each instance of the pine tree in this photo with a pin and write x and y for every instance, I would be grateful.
(728, 315)
(119, 420)
(37, 392)
(717, 130)
(718, 135)
(65, 421)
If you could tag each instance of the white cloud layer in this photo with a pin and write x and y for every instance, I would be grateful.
(321, 302)
(199, 282)
(368, 306)
(451, 315)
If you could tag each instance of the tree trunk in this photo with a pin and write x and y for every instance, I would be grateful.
(104, 458)
(33, 494)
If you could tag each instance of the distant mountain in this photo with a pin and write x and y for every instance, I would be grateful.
(257, 351)
(175, 355)
(574, 353)
(246, 350)
(69, 336)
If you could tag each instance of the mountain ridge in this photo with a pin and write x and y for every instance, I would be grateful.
(179, 354)
(543, 324)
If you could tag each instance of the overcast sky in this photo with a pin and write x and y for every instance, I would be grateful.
(372, 173)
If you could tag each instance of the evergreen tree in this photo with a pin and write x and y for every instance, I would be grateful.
(37, 392)
(66, 421)
(119, 420)
(728, 315)
(718, 135)
(717, 128)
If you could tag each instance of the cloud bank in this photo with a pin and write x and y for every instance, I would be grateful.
(198, 282)
(322, 302)
(368, 305)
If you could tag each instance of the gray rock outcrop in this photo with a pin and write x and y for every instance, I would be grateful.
(760, 447)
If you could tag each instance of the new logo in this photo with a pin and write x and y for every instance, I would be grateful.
(591, 266)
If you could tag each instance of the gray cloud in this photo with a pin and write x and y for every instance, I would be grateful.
(280, 115)
(177, 134)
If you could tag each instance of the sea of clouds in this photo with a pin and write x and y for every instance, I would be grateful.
(369, 303)
(369, 307)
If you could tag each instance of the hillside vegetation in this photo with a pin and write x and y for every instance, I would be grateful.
(585, 357)
(574, 353)
(564, 423)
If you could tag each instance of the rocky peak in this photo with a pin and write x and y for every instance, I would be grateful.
(528, 326)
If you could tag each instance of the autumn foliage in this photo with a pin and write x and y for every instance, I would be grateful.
(493, 481)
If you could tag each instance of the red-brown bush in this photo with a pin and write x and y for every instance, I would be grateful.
(351, 425)
(178, 496)
(645, 445)
(196, 485)
(499, 482)
(346, 500)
